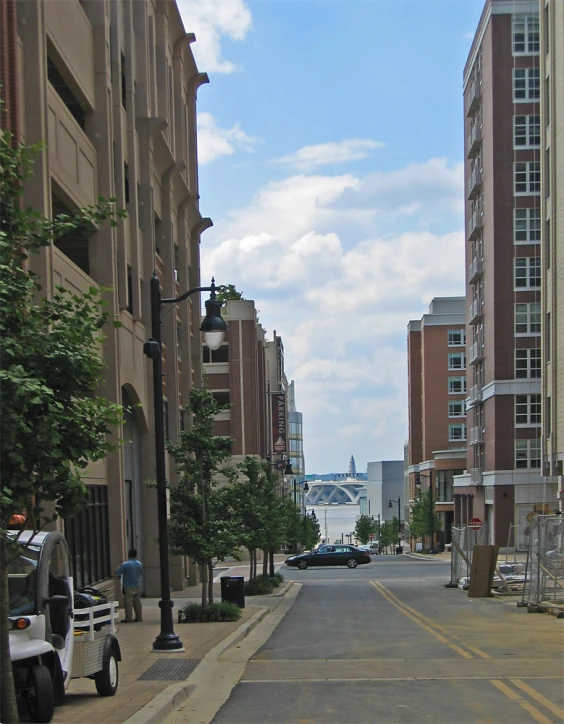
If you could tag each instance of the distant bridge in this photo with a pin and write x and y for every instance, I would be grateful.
(322, 492)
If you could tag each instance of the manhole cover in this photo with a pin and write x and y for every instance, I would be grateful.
(167, 670)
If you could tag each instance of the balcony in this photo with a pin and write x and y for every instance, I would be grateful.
(475, 225)
(476, 476)
(475, 313)
(473, 97)
(476, 435)
(476, 269)
(475, 394)
(474, 141)
(474, 183)
(476, 353)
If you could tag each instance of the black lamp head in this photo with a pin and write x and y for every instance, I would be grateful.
(213, 325)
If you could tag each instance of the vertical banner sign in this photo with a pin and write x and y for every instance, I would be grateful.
(279, 422)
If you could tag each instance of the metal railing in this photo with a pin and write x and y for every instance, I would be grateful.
(463, 542)
(544, 576)
(475, 269)
(476, 435)
(474, 140)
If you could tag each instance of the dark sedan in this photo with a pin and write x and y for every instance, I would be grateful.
(336, 555)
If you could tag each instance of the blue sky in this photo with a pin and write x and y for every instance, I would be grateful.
(331, 149)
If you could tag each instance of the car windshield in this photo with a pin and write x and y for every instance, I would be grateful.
(22, 577)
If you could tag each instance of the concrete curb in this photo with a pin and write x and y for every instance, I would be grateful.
(174, 695)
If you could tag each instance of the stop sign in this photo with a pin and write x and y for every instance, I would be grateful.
(371, 536)
(475, 523)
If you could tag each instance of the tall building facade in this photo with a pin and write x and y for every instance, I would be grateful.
(503, 150)
(552, 224)
(436, 352)
(110, 88)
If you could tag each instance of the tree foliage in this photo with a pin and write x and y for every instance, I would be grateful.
(423, 521)
(227, 292)
(364, 528)
(52, 422)
(201, 513)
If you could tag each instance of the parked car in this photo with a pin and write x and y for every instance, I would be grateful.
(334, 555)
(372, 548)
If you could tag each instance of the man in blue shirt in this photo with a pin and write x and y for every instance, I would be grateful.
(131, 571)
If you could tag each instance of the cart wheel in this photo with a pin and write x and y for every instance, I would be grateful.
(107, 679)
(40, 694)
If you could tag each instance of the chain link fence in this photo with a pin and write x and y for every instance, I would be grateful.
(544, 576)
(463, 541)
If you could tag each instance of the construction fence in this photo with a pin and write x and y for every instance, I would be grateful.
(463, 541)
(544, 576)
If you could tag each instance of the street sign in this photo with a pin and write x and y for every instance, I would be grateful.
(475, 523)
(371, 536)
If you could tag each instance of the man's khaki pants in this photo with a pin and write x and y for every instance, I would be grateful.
(133, 603)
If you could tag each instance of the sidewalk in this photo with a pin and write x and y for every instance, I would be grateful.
(82, 703)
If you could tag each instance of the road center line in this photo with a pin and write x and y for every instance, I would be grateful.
(534, 694)
(515, 696)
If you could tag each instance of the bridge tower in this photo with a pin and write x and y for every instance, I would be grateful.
(352, 468)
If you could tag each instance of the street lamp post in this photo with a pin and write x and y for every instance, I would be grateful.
(213, 326)
(391, 505)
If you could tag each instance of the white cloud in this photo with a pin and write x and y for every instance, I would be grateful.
(322, 154)
(332, 270)
(211, 20)
(214, 141)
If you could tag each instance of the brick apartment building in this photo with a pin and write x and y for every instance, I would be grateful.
(552, 245)
(503, 160)
(436, 350)
(110, 88)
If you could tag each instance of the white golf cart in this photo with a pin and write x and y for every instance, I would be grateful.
(52, 640)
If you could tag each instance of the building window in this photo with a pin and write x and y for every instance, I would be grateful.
(527, 409)
(526, 131)
(216, 355)
(527, 454)
(179, 340)
(295, 428)
(527, 364)
(165, 420)
(88, 538)
(527, 226)
(527, 319)
(456, 385)
(457, 361)
(123, 83)
(222, 397)
(527, 272)
(456, 337)
(65, 93)
(295, 445)
(456, 408)
(525, 34)
(129, 289)
(457, 432)
(526, 84)
(126, 182)
(527, 177)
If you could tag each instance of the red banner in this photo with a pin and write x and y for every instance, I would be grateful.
(279, 422)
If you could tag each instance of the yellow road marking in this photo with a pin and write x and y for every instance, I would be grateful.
(534, 694)
(384, 592)
(535, 713)
(433, 628)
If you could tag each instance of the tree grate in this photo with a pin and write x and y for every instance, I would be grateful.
(167, 670)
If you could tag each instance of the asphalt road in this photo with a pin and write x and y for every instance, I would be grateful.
(387, 643)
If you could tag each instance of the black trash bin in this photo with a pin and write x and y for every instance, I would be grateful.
(233, 590)
(399, 550)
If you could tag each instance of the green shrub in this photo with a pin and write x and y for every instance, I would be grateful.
(262, 585)
(279, 577)
(194, 613)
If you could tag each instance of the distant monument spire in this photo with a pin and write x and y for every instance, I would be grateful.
(352, 468)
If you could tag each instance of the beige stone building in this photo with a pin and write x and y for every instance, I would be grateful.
(110, 88)
(552, 210)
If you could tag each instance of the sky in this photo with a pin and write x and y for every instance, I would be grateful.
(330, 143)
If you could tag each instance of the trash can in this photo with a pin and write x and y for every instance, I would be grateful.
(233, 590)
(399, 550)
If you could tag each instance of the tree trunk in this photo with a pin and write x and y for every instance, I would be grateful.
(204, 570)
(210, 581)
(271, 561)
(8, 701)
(265, 563)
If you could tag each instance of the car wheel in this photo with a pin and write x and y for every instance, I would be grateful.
(303, 565)
(106, 680)
(352, 563)
(40, 694)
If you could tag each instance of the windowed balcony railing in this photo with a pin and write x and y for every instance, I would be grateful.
(476, 435)
(475, 225)
(476, 353)
(475, 183)
(476, 476)
(473, 97)
(474, 141)
(476, 269)
(475, 313)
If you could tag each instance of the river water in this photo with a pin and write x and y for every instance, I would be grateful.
(336, 520)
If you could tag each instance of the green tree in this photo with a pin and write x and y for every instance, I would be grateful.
(311, 532)
(423, 521)
(388, 534)
(227, 292)
(364, 528)
(201, 514)
(52, 422)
